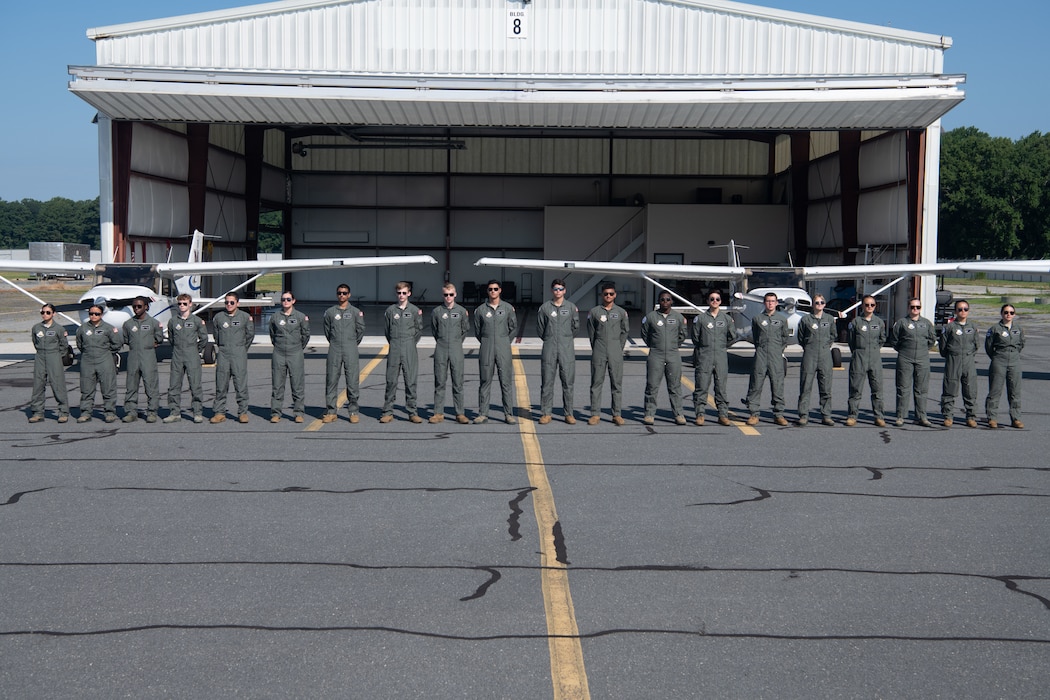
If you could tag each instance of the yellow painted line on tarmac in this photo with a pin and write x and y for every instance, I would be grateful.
(568, 674)
(316, 424)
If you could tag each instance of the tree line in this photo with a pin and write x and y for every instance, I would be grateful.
(994, 202)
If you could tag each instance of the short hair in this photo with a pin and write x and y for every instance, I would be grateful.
(558, 282)
(448, 287)
(1003, 308)
(770, 294)
(494, 282)
(403, 285)
(819, 296)
(184, 297)
(866, 297)
(608, 285)
(664, 295)
(48, 305)
(235, 295)
(343, 286)
(715, 291)
(962, 301)
(144, 300)
(101, 310)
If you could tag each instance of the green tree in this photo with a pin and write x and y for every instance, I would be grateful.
(979, 196)
(1032, 173)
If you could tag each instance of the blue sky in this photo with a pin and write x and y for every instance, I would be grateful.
(52, 147)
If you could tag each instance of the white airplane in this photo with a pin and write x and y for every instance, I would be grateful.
(755, 283)
(117, 284)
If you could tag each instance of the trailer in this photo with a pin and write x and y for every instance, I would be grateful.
(48, 251)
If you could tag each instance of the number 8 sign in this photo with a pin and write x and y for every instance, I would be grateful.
(517, 23)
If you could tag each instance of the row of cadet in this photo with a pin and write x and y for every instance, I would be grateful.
(494, 324)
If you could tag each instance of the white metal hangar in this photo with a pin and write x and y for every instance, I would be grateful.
(624, 130)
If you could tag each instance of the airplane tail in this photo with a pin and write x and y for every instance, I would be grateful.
(192, 284)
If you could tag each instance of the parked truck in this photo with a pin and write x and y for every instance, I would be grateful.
(59, 252)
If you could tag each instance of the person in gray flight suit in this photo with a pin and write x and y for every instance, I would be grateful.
(866, 335)
(188, 334)
(663, 331)
(143, 334)
(713, 333)
(290, 334)
(234, 333)
(770, 332)
(344, 327)
(556, 324)
(1003, 344)
(450, 324)
(957, 344)
(608, 329)
(404, 327)
(97, 341)
(816, 332)
(495, 323)
(912, 337)
(51, 343)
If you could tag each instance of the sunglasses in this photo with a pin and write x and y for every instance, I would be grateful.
(819, 303)
(962, 308)
(230, 303)
(343, 294)
(914, 307)
(493, 289)
(46, 312)
(1009, 313)
(138, 306)
(94, 313)
(869, 306)
(714, 298)
(557, 289)
(608, 294)
(184, 303)
(287, 299)
(402, 293)
(450, 294)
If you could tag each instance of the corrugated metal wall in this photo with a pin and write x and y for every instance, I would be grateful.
(561, 38)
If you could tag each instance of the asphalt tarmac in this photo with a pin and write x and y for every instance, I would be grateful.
(403, 560)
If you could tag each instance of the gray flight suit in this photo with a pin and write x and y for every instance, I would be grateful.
(1003, 345)
(957, 344)
(912, 340)
(663, 335)
(97, 345)
(344, 329)
(608, 330)
(142, 338)
(233, 336)
(51, 343)
(290, 334)
(816, 335)
(712, 336)
(494, 326)
(556, 327)
(403, 329)
(187, 336)
(866, 338)
(450, 327)
(770, 334)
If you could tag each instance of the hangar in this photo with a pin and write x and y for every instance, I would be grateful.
(629, 130)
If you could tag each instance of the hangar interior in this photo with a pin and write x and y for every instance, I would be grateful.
(634, 131)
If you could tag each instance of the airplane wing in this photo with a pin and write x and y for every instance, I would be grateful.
(249, 267)
(50, 267)
(867, 271)
(823, 272)
(699, 272)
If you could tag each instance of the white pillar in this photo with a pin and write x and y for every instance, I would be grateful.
(105, 186)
